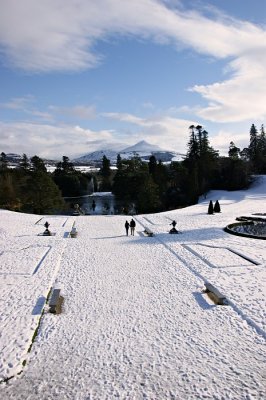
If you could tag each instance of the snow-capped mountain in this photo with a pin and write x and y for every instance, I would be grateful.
(96, 156)
(142, 146)
(143, 149)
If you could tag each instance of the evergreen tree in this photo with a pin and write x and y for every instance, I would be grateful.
(206, 163)
(199, 137)
(257, 150)
(253, 146)
(3, 162)
(161, 179)
(210, 208)
(43, 195)
(105, 172)
(261, 152)
(233, 174)
(119, 163)
(127, 181)
(201, 158)
(148, 199)
(25, 163)
(152, 165)
(176, 186)
(233, 152)
(193, 146)
(37, 164)
(64, 167)
(8, 198)
(192, 190)
(70, 182)
(217, 207)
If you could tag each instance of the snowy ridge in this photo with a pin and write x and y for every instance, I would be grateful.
(135, 322)
(143, 149)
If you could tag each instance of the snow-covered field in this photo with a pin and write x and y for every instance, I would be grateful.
(135, 322)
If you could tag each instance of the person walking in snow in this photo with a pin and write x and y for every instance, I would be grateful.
(127, 227)
(132, 226)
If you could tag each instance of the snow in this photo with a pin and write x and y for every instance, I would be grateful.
(135, 322)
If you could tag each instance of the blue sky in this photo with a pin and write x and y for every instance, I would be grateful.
(79, 75)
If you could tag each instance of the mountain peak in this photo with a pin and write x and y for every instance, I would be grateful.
(143, 149)
(142, 146)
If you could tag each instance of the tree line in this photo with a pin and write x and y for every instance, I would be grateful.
(151, 186)
(31, 188)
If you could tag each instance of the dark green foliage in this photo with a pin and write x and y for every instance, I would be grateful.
(64, 167)
(29, 188)
(105, 173)
(105, 170)
(37, 164)
(42, 194)
(233, 152)
(210, 208)
(193, 146)
(261, 152)
(72, 183)
(159, 174)
(8, 194)
(147, 199)
(257, 150)
(119, 163)
(68, 184)
(134, 184)
(253, 143)
(152, 166)
(201, 162)
(217, 207)
(232, 174)
(3, 162)
(25, 163)
(31, 191)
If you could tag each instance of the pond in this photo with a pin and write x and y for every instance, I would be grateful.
(100, 203)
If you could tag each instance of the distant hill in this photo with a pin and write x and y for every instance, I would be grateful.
(13, 158)
(96, 156)
(143, 149)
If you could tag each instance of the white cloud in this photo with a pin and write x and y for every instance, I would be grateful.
(26, 105)
(50, 141)
(223, 138)
(60, 35)
(242, 97)
(163, 130)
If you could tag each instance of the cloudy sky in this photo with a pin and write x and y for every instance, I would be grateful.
(82, 75)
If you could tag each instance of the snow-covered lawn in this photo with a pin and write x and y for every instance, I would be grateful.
(135, 323)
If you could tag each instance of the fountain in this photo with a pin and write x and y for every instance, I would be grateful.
(250, 226)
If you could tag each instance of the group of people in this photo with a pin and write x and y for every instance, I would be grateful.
(131, 225)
